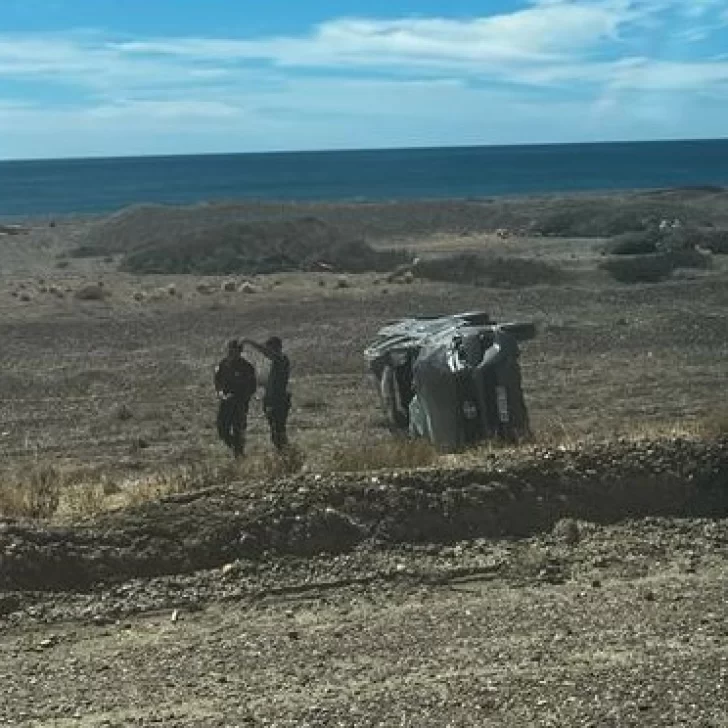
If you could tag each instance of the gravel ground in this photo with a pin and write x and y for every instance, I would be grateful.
(623, 625)
(568, 605)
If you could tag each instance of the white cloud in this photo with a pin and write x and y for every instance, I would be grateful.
(634, 73)
(553, 41)
(558, 69)
(189, 109)
(535, 34)
(701, 8)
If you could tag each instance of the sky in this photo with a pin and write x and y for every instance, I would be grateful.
(85, 78)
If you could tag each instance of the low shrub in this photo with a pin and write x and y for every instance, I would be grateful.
(639, 268)
(689, 258)
(493, 272)
(654, 267)
(589, 218)
(637, 243)
(259, 248)
(714, 239)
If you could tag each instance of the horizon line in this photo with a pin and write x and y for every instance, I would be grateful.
(355, 150)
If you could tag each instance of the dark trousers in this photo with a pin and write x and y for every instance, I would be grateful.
(276, 413)
(232, 421)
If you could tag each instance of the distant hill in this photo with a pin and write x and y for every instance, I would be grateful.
(158, 239)
(260, 247)
(257, 237)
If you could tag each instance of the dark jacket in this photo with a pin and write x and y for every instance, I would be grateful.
(236, 377)
(276, 390)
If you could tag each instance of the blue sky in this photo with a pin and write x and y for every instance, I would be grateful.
(119, 77)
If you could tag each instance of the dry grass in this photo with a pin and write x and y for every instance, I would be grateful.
(47, 492)
(44, 490)
(715, 424)
(561, 435)
(81, 500)
(397, 453)
(34, 492)
(201, 475)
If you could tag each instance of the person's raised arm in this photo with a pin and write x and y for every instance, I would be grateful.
(264, 350)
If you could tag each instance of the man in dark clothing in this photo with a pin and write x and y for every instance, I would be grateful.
(277, 399)
(235, 384)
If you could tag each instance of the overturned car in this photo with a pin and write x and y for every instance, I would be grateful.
(455, 380)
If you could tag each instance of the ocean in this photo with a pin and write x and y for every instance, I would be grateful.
(84, 186)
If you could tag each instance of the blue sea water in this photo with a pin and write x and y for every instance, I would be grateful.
(71, 186)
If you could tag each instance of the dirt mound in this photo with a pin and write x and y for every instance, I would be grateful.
(155, 239)
(307, 515)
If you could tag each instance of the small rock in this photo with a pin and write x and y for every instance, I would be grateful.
(567, 530)
(91, 293)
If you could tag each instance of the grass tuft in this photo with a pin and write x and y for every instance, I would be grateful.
(715, 424)
(34, 492)
(397, 453)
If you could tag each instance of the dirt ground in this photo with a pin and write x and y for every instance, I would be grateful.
(628, 627)
(608, 357)
(623, 625)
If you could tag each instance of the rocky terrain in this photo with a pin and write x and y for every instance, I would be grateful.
(578, 580)
(560, 586)
(308, 515)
